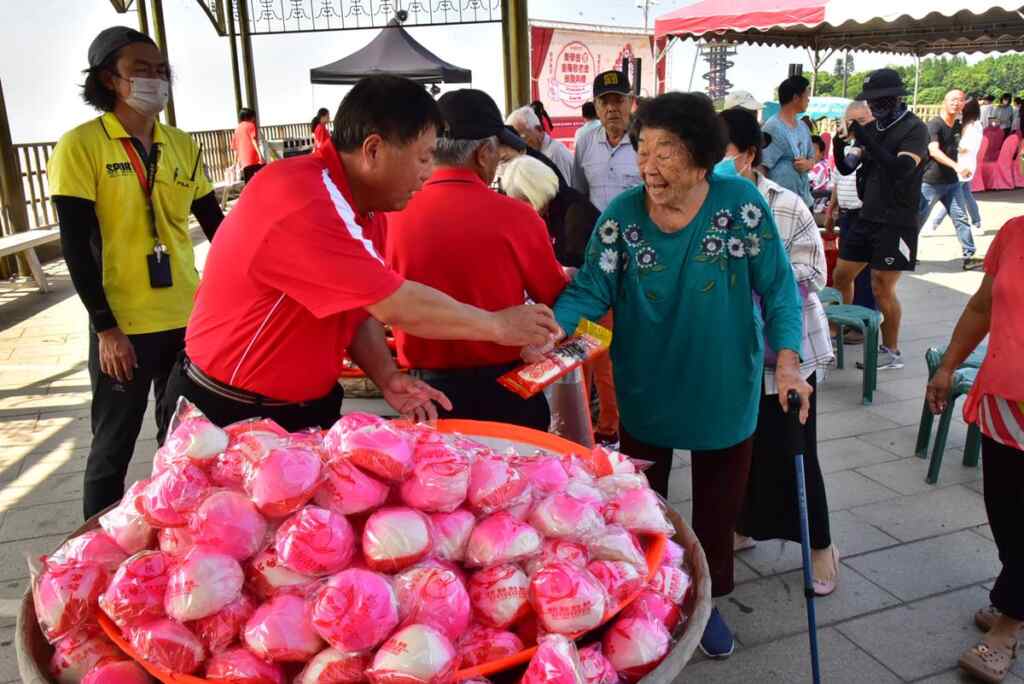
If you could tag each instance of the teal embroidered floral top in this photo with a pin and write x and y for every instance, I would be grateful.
(687, 348)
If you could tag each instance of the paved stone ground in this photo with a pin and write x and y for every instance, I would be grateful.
(917, 559)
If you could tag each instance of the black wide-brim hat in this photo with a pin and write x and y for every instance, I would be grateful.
(882, 83)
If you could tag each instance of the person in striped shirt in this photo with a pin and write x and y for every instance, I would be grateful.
(996, 404)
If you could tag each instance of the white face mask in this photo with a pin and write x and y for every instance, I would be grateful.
(149, 95)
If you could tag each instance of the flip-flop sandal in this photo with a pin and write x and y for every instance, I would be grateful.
(826, 587)
(987, 662)
(986, 617)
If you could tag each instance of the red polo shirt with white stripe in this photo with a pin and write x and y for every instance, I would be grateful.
(286, 280)
(479, 247)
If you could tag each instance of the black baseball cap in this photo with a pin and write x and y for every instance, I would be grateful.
(611, 82)
(882, 83)
(471, 114)
(111, 40)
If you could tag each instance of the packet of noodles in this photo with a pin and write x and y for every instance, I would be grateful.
(589, 340)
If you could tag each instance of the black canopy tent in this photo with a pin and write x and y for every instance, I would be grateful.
(394, 52)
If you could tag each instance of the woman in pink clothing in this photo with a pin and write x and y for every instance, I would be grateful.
(996, 404)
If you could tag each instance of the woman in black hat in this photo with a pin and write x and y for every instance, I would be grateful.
(124, 185)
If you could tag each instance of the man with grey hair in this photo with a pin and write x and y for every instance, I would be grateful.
(461, 237)
(605, 163)
(529, 128)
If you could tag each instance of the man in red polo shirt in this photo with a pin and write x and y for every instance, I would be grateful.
(295, 278)
(479, 247)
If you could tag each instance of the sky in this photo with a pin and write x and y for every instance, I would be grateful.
(43, 45)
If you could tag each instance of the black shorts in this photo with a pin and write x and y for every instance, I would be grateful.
(884, 247)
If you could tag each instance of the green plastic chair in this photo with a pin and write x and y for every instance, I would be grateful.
(868, 322)
(830, 295)
(962, 383)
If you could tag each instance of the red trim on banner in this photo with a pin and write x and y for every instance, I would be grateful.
(540, 42)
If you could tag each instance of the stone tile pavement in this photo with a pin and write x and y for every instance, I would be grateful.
(917, 559)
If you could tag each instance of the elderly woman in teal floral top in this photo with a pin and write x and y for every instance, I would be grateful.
(678, 260)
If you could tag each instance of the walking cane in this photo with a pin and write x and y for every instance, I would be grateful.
(796, 443)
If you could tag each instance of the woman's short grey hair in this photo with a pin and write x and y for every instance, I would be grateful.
(449, 152)
(527, 179)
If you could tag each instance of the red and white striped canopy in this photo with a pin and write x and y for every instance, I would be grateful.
(909, 26)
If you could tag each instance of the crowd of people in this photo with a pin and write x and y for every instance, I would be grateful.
(481, 241)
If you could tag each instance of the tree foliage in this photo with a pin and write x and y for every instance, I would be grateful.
(992, 75)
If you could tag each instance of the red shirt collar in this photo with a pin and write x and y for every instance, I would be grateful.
(454, 173)
(329, 156)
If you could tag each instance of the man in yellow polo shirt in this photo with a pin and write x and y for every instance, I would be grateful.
(124, 186)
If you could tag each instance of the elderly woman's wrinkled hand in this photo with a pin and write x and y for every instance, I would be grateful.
(787, 376)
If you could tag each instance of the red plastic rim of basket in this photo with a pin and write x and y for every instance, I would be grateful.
(655, 552)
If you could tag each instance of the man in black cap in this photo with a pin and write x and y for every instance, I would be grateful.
(891, 150)
(479, 247)
(605, 161)
(124, 185)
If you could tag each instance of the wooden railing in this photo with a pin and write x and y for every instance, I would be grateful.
(926, 112)
(217, 155)
(32, 160)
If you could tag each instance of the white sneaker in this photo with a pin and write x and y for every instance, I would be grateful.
(887, 359)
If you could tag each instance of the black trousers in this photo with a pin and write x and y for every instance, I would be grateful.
(719, 480)
(319, 413)
(770, 510)
(117, 413)
(249, 171)
(476, 395)
(1003, 475)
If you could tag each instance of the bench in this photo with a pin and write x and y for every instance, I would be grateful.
(26, 243)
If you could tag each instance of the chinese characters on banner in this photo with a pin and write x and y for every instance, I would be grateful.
(565, 77)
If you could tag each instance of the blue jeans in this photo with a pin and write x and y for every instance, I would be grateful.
(970, 206)
(952, 198)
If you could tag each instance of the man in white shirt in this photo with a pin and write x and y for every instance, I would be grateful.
(529, 128)
(605, 163)
(590, 120)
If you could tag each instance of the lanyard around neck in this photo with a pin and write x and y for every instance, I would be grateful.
(146, 176)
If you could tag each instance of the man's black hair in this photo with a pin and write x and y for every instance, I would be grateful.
(792, 88)
(395, 108)
(246, 114)
(95, 93)
(588, 110)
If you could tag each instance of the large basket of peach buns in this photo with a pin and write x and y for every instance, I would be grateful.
(376, 551)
